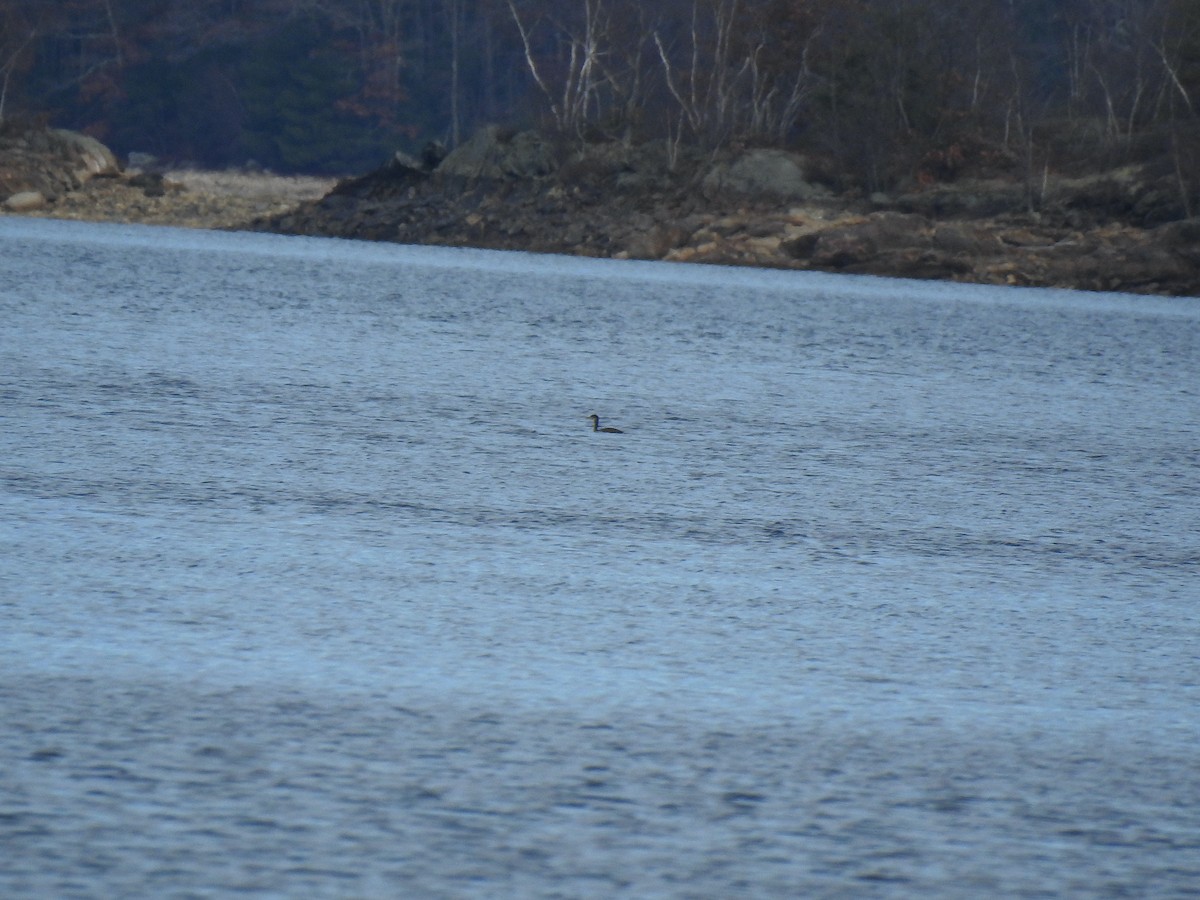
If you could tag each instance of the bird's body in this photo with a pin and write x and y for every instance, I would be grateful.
(596, 425)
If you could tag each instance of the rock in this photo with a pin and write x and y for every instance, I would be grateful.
(51, 162)
(853, 244)
(974, 198)
(1183, 236)
(656, 242)
(151, 183)
(763, 228)
(25, 201)
(838, 248)
(433, 154)
(1125, 265)
(1027, 238)
(145, 162)
(950, 237)
(630, 167)
(94, 156)
(764, 247)
(1130, 194)
(496, 153)
(914, 262)
(402, 161)
(763, 173)
(801, 246)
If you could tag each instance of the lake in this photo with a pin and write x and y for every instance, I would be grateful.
(316, 582)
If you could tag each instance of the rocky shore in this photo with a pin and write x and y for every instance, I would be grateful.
(1112, 232)
(761, 208)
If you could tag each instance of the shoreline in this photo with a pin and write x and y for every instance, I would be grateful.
(503, 192)
(934, 235)
(185, 198)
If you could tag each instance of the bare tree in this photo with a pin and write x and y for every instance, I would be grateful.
(701, 74)
(12, 54)
(588, 61)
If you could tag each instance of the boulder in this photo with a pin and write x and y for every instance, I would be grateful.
(496, 153)
(801, 246)
(93, 156)
(964, 239)
(403, 162)
(1128, 265)
(838, 248)
(432, 154)
(971, 198)
(914, 262)
(145, 162)
(1183, 237)
(656, 242)
(51, 162)
(25, 201)
(764, 173)
(628, 167)
(151, 183)
(850, 245)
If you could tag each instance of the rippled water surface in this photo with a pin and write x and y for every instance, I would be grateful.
(315, 582)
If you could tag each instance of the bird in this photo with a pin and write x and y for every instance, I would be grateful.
(596, 425)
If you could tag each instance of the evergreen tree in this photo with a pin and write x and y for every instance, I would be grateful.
(292, 89)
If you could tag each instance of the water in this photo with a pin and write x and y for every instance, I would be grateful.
(315, 583)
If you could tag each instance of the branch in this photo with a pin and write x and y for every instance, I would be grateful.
(10, 66)
(1174, 75)
(532, 64)
(669, 74)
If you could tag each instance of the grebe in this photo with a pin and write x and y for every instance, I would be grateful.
(596, 425)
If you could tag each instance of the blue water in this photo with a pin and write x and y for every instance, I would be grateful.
(314, 581)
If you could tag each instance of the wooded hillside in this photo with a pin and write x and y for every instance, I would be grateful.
(884, 91)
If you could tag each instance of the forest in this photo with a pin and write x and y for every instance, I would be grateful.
(882, 91)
